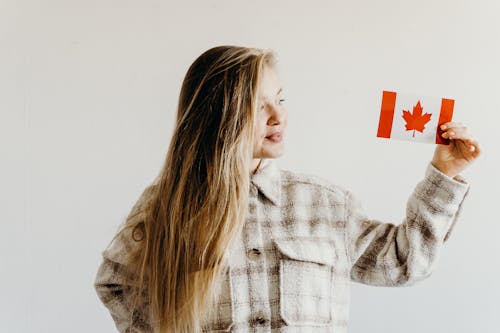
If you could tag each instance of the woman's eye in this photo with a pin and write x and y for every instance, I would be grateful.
(281, 101)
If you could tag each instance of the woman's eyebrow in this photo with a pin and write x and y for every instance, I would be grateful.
(265, 98)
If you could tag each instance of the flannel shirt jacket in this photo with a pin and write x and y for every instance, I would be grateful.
(303, 242)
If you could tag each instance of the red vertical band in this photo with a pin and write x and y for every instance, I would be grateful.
(386, 114)
(444, 117)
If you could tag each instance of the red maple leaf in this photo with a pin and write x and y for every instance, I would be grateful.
(416, 121)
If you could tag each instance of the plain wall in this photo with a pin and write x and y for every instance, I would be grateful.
(88, 96)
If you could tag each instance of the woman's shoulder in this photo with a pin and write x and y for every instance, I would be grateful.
(125, 243)
(297, 180)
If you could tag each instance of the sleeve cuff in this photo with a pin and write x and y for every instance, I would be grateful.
(443, 189)
(443, 194)
(457, 184)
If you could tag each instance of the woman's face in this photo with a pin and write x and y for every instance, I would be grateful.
(271, 118)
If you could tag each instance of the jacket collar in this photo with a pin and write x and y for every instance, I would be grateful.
(267, 180)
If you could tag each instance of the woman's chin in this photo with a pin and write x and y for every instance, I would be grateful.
(274, 153)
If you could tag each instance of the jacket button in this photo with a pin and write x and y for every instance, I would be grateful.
(254, 254)
(260, 320)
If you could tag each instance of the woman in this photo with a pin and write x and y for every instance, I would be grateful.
(224, 240)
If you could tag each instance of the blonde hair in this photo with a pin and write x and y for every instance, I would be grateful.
(196, 207)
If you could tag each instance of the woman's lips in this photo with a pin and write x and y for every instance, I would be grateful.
(276, 137)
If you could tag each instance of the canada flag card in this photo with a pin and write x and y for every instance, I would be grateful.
(413, 117)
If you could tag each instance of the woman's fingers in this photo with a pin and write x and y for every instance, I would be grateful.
(469, 148)
(450, 124)
(473, 147)
(457, 130)
(454, 130)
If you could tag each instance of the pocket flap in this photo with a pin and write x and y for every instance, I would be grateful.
(314, 249)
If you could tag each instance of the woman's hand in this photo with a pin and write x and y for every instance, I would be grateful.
(462, 150)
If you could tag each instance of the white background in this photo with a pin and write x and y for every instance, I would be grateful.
(88, 91)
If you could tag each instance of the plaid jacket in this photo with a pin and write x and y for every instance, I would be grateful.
(303, 242)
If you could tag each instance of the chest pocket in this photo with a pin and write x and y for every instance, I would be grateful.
(306, 272)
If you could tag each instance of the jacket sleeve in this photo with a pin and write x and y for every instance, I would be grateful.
(384, 254)
(114, 293)
(110, 281)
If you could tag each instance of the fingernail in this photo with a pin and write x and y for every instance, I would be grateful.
(443, 127)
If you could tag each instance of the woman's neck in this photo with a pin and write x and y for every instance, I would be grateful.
(255, 165)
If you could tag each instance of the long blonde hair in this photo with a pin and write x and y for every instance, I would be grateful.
(195, 209)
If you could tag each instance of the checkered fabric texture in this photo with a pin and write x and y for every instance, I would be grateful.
(304, 241)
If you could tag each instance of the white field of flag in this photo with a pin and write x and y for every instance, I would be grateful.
(415, 125)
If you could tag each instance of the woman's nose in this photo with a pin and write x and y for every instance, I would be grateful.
(277, 115)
